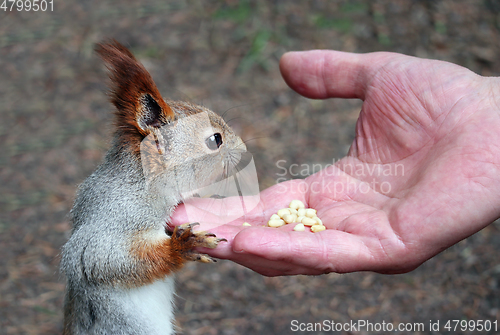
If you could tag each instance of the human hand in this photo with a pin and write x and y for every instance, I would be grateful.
(421, 174)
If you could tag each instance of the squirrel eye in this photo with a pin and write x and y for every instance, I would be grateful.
(214, 141)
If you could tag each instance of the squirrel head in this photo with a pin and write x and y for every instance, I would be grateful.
(182, 146)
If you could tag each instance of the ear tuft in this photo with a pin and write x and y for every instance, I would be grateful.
(140, 107)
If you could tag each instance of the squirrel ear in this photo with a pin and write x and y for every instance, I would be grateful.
(152, 116)
(140, 107)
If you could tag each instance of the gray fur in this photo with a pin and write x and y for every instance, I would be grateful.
(115, 203)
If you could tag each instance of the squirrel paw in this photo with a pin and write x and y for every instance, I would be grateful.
(187, 240)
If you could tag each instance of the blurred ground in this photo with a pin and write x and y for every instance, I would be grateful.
(55, 128)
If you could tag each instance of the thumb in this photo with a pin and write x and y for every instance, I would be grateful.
(322, 74)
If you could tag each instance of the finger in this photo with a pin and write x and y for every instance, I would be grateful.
(321, 74)
(327, 251)
(272, 268)
(258, 264)
(209, 214)
(212, 213)
(206, 213)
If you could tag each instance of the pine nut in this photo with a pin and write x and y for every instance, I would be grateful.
(246, 224)
(289, 218)
(310, 212)
(274, 217)
(275, 223)
(282, 212)
(299, 227)
(317, 228)
(296, 204)
(308, 221)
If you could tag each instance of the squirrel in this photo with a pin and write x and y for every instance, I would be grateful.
(121, 257)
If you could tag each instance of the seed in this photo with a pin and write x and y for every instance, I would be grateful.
(296, 204)
(246, 224)
(301, 212)
(282, 212)
(316, 228)
(296, 213)
(275, 223)
(289, 218)
(274, 217)
(299, 227)
(310, 212)
(308, 221)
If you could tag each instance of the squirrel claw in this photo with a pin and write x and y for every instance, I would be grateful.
(205, 259)
(188, 239)
(187, 226)
(212, 241)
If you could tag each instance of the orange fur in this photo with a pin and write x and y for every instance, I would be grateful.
(157, 260)
(168, 255)
(131, 85)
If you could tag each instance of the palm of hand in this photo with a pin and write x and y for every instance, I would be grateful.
(419, 177)
(415, 164)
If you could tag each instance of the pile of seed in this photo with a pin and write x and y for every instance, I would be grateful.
(297, 212)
